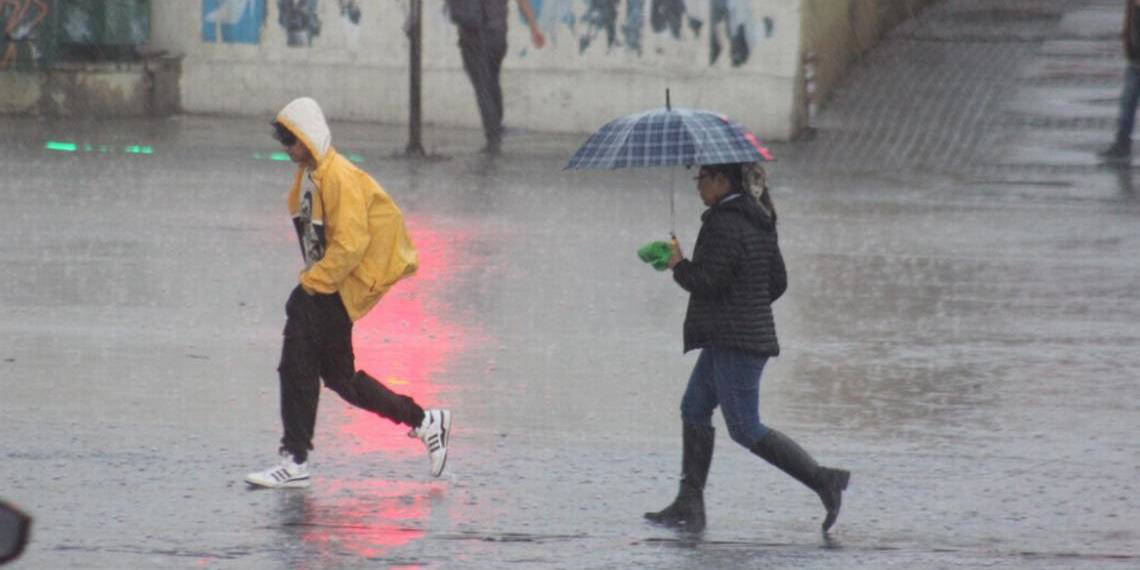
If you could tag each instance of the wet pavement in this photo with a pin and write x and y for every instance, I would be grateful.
(959, 331)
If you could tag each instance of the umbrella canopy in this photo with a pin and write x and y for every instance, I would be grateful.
(669, 136)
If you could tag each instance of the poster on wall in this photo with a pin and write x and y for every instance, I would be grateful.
(727, 26)
(301, 21)
(232, 21)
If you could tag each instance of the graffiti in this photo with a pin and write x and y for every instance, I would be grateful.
(600, 17)
(734, 19)
(300, 20)
(632, 28)
(350, 11)
(549, 14)
(21, 20)
(350, 22)
(242, 21)
(667, 15)
(730, 24)
(233, 21)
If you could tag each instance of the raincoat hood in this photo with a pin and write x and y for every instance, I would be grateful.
(304, 118)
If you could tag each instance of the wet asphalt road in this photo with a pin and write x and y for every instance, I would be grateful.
(962, 341)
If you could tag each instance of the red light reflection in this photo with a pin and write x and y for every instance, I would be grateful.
(361, 519)
(405, 342)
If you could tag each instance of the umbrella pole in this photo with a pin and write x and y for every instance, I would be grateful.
(672, 204)
(672, 191)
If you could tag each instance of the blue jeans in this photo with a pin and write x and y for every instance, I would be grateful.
(1128, 99)
(730, 379)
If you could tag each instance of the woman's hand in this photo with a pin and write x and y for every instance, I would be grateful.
(677, 255)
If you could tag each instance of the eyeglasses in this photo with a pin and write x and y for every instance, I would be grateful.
(284, 135)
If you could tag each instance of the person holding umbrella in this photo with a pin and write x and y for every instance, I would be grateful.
(735, 274)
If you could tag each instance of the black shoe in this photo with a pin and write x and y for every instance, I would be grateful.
(1119, 151)
(493, 148)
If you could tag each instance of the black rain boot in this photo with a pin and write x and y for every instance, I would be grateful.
(688, 510)
(779, 450)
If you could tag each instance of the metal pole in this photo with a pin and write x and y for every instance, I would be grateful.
(415, 39)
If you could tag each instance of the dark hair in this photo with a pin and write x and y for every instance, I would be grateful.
(283, 134)
(731, 171)
(735, 173)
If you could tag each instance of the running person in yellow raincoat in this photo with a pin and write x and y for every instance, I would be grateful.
(355, 247)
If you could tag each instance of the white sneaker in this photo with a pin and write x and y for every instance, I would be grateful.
(286, 474)
(435, 431)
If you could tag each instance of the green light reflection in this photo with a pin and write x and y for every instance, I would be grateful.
(61, 145)
(68, 146)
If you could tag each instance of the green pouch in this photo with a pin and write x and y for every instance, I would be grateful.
(657, 254)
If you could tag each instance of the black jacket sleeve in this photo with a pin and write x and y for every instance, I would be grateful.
(715, 256)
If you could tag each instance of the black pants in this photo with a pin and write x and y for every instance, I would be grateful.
(483, 51)
(318, 344)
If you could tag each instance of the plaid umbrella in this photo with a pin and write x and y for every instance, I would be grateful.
(669, 136)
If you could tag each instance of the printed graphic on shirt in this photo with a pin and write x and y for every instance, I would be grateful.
(310, 227)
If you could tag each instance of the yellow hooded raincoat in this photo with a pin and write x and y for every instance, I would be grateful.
(365, 248)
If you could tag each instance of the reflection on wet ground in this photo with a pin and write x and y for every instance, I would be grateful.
(409, 342)
(364, 520)
(969, 360)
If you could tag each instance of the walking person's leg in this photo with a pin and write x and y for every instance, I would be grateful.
(298, 375)
(337, 367)
(473, 49)
(1128, 101)
(687, 511)
(496, 50)
(737, 377)
(1129, 97)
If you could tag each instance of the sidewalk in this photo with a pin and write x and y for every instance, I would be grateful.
(981, 91)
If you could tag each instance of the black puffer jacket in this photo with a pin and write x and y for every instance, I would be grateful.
(735, 274)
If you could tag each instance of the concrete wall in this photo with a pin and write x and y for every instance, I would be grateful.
(603, 58)
(99, 89)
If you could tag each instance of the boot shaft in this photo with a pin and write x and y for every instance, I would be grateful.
(784, 453)
(687, 511)
(696, 455)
